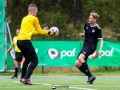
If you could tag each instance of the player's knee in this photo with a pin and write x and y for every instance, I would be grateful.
(36, 61)
(77, 63)
(81, 58)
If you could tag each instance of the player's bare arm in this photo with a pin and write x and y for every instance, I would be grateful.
(101, 45)
(12, 45)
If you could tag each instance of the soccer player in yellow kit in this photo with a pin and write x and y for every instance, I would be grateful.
(19, 59)
(29, 26)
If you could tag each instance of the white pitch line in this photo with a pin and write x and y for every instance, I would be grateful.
(82, 88)
(71, 86)
(16, 81)
(43, 84)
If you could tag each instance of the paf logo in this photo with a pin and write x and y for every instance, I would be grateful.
(69, 53)
(107, 53)
(53, 53)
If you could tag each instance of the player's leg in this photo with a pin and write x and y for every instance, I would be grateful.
(92, 77)
(21, 63)
(21, 46)
(83, 66)
(25, 63)
(16, 69)
(33, 60)
(21, 60)
(16, 64)
(24, 68)
(30, 57)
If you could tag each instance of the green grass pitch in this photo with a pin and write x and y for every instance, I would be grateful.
(61, 83)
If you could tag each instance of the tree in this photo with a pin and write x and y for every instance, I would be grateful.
(78, 12)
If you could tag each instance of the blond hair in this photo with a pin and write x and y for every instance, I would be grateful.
(94, 14)
(17, 29)
(31, 6)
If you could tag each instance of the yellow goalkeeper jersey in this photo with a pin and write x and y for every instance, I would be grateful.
(30, 26)
(15, 44)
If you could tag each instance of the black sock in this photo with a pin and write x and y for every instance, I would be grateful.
(16, 71)
(84, 68)
(81, 68)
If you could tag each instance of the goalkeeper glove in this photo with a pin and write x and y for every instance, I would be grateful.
(51, 33)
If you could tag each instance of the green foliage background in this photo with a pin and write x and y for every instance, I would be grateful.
(68, 15)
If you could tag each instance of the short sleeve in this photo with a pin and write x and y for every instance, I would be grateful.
(85, 27)
(99, 34)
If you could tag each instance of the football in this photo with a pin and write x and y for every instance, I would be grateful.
(94, 55)
(55, 29)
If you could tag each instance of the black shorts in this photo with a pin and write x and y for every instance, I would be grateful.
(18, 56)
(27, 50)
(86, 51)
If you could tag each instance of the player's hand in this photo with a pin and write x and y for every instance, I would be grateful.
(81, 34)
(99, 52)
(8, 50)
(51, 33)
